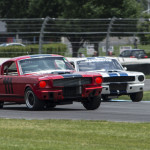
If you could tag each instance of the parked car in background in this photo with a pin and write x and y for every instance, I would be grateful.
(134, 53)
(116, 80)
(46, 81)
(11, 44)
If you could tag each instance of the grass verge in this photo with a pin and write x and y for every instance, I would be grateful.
(73, 135)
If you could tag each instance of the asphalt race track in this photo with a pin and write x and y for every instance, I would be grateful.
(147, 85)
(125, 111)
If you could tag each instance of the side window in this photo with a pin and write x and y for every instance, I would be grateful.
(10, 69)
(72, 63)
(60, 64)
(123, 53)
(126, 53)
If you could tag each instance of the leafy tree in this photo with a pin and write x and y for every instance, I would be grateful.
(83, 9)
(97, 9)
(100, 8)
(143, 27)
(44, 8)
(71, 9)
(13, 8)
(144, 4)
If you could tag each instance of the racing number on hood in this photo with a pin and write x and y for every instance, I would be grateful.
(8, 85)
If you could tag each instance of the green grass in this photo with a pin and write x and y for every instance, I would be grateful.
(146, 96)
(73, 135)
(147, 76)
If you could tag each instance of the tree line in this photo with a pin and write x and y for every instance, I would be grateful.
(70, 8)
(76, 9)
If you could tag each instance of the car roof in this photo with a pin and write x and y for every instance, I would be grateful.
(133, 50)
(87, 58)
(33, 56)
(11, 44)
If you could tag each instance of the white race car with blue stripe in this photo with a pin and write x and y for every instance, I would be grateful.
(116, 80)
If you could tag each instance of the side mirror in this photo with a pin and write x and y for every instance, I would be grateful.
(125, 68)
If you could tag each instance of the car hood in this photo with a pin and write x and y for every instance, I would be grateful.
(62, 74)
(113, 73)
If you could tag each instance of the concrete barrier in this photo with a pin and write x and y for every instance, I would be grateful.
(145, 68)
(125, 61)
(134, 64)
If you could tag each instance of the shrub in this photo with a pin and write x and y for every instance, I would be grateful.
(14, 51)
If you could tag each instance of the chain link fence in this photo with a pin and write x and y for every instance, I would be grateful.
(70, 36)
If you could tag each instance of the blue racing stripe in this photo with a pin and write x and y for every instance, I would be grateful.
(115, 92)
(90, 58)
(123, 74)
(113, 74)
(71, 75)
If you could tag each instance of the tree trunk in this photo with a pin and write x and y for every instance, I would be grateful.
(75, 48)
(96, 46)
(76, 44)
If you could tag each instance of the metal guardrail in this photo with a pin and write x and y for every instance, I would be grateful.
(77, 32)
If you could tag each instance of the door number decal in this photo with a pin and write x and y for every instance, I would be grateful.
(8, 85)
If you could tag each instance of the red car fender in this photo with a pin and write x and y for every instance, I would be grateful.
(95, 91)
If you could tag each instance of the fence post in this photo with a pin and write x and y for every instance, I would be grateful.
(108, 34)
(41, 34)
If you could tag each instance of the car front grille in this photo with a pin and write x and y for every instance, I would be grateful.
(120, 87)
(72, 92)
(71, 82)
(119, 79)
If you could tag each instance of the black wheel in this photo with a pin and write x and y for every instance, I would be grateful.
(136, 97)
(1, 104)
(92, 103)
(105, 98)
(32, 101)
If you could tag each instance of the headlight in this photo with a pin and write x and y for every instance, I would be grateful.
(141, 78)
(42, 84)
(98, 80)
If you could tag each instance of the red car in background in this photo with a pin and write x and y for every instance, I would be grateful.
(44, 81)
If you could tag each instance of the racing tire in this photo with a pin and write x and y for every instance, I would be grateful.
(32, 102)
(1, 104)
(92, 103)
(136, 97)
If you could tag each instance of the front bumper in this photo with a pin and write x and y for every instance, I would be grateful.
(72, 93)
(130, 88)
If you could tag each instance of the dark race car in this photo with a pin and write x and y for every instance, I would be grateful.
(134, 53)
(44, 81)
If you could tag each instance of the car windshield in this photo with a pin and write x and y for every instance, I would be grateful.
(102, 64)
(44, 65)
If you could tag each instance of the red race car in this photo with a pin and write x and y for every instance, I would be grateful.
(44, 81)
